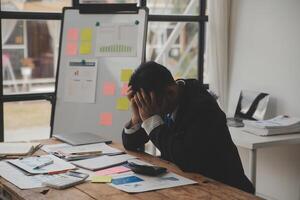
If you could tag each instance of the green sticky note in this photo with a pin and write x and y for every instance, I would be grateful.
(123, 103)
(101, 179)
(86, 34)
(126, 74)
(85, 48)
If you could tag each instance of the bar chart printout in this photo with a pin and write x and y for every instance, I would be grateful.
(118, 40)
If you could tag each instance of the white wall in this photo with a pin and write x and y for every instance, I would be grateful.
(265, 56)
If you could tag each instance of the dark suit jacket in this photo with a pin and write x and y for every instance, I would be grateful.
(199, 141)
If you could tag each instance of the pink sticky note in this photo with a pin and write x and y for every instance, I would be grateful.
(72, 34)
(124, 89)
(71, 49)
(109, 89)
(105, 119)
(112, 170)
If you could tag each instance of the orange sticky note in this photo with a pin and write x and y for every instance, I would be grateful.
(105, 119)
(71, 49)
(124, 89)
(126, 74)
(109, 89)
(72, 34)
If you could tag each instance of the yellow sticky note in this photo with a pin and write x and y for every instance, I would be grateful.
(86, 34)
(101, 179)
(85, 48)
(123, 103)
(126, 74)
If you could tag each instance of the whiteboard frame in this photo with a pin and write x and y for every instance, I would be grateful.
(61, 48)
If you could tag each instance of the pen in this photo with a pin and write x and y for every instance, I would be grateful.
(44, 164)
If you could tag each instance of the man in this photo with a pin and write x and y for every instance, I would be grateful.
(185, 123)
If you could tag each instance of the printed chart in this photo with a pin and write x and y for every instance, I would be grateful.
(117, 40)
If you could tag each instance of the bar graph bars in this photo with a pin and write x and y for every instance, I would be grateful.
(116, 48)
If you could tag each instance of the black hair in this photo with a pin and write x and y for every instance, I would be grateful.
(152, 77)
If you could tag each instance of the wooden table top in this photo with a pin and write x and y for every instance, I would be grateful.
(205, 189)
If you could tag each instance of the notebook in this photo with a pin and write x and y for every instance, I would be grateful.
(103, 162)
(81, 138)
(17, 149)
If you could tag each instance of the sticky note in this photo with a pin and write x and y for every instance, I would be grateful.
(123, 103)
(109, 89)
(85, 48)
(124, 89)
(101, 179)
(124, 180)
(72, 34)
(112, 170)
(126, 74)
(105, 119)
(86, 34)
(71, 49)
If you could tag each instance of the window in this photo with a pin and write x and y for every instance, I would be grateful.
(27, 120)
(34, 6)
(180, 7)
(29, 55)
(30, 42)
(179, 56)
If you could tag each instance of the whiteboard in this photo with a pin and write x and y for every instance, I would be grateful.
(116, 44)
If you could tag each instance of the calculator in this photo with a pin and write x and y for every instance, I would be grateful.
(66, 180)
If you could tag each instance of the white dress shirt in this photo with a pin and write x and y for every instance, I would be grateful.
(149, 124)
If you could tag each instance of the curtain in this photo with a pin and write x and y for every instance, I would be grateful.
(54, 28)
(217, 48)
(7, 27)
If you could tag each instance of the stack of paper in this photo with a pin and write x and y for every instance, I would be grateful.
(68, 149)
(278, 125)
(17, 149)
(71, 153)
(102, 162)
(104, 148)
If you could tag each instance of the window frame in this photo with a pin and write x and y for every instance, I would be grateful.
(201, 19)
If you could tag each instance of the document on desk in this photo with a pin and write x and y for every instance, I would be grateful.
(135, 183)
(29, 164)
(51, 148)
(68, 149)
(19, 179)
(17, 148)
(103, 162)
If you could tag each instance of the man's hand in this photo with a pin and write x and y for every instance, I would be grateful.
(147, 104)
(135, 115)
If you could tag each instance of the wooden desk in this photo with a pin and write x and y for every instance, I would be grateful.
(206, 189)
(253, 142)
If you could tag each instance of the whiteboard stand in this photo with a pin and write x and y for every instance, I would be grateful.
(116, 41)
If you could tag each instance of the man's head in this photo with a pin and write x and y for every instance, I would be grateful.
(153, 77)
